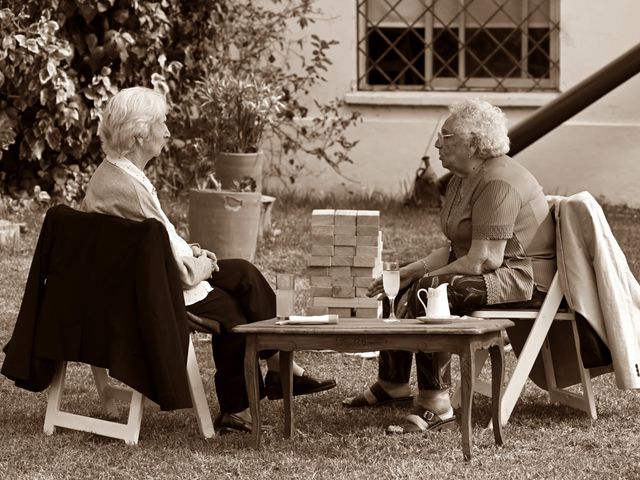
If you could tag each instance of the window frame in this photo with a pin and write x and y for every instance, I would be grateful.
(461, 83)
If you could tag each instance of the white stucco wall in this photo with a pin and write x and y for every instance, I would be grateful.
(597, 150)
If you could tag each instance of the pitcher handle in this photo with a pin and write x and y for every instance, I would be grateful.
(420, 300)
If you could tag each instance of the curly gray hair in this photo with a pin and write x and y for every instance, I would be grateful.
(488, 124)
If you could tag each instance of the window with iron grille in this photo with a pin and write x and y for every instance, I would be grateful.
(458, 45)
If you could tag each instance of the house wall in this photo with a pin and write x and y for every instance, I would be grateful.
(597, 150)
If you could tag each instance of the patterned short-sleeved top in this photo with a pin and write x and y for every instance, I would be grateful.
(503, 201)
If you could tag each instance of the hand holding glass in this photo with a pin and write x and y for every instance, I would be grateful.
(391, 284)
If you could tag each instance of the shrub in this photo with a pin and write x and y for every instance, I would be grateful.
(60, 60)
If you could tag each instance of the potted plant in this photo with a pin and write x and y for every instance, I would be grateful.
(235, 111)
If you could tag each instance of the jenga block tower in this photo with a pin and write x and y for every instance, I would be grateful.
(346, 252)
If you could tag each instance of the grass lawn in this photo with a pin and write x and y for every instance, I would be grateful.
(541, 440)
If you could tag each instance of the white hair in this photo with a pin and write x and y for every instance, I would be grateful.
(488, 124)
(128, 115)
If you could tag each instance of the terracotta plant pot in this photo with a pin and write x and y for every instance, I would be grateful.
(236, 166)
(225, 222)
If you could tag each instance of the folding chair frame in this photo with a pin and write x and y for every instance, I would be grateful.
(537, 342)
(109, 393)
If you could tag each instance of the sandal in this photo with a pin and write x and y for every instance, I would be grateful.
(379, 394)
(421, 421)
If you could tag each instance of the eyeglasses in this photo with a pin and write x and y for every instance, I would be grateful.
(441, 137)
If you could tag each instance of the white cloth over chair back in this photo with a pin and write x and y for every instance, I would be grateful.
(597, 281)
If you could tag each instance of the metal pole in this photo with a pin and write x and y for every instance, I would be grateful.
(549, 116)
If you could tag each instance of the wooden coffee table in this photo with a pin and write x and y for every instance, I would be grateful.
(462, 337)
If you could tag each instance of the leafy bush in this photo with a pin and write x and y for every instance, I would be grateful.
(60, 60)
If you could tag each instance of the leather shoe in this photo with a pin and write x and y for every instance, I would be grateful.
(302, 385)
(228, 423)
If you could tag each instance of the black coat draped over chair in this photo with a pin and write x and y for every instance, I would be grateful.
(105, 291)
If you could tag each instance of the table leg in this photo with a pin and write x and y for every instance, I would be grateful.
(286, 377)
(497, 377)
(467, 373)
(251, 381)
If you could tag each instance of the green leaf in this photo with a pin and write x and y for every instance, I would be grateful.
(37, 148)
(53, 137)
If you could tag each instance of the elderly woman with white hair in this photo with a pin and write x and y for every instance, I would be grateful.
(133, 131)
(501, 250)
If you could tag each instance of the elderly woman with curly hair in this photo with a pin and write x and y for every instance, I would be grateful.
(501, 249)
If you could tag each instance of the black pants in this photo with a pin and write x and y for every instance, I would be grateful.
(240, 295)
(466, 293)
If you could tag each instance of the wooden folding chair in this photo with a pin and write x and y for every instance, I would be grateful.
(109, 393)
(538, 342)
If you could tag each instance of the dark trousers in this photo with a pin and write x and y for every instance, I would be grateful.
(240, 295)
(466, 293)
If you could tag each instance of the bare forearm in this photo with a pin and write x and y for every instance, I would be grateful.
(463, 265)
(434, 261)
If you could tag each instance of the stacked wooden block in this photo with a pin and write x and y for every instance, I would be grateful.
(346, 252)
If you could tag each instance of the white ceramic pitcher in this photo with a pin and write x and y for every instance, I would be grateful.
(437, 301)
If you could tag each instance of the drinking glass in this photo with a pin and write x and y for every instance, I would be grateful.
(391, 284)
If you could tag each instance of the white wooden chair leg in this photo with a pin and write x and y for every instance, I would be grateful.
(54, 417)
(109, 405)
(55, 396)
(549, 371)
(135, 418)
(198, 396)
(109, 393)
(585, 376)
(584, 401)
(531, 348)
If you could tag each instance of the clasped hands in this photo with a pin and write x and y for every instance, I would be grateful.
(201, 252)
